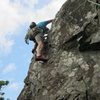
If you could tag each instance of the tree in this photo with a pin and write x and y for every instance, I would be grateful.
(3, 83)
(8, 99)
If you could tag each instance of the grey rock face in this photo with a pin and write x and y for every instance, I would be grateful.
(73, 69)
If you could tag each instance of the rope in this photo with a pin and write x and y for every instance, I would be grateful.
(93, 2)
(79, 6)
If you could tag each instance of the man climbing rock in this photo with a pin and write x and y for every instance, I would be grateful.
(36, 33)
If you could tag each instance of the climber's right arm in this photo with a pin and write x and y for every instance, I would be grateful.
(26, 39)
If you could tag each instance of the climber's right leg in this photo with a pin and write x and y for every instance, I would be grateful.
(39, 49)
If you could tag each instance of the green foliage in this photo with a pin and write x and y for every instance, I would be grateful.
(8, 99)
(1, 98)
(3, 83)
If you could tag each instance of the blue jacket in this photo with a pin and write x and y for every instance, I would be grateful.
(43, 25)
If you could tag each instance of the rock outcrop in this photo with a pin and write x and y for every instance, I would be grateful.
(73, 69)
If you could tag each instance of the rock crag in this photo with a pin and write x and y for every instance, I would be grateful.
(73, 69)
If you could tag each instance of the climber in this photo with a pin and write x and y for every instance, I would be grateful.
(35, 33)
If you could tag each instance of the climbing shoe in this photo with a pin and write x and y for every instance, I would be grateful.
(41, 58)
